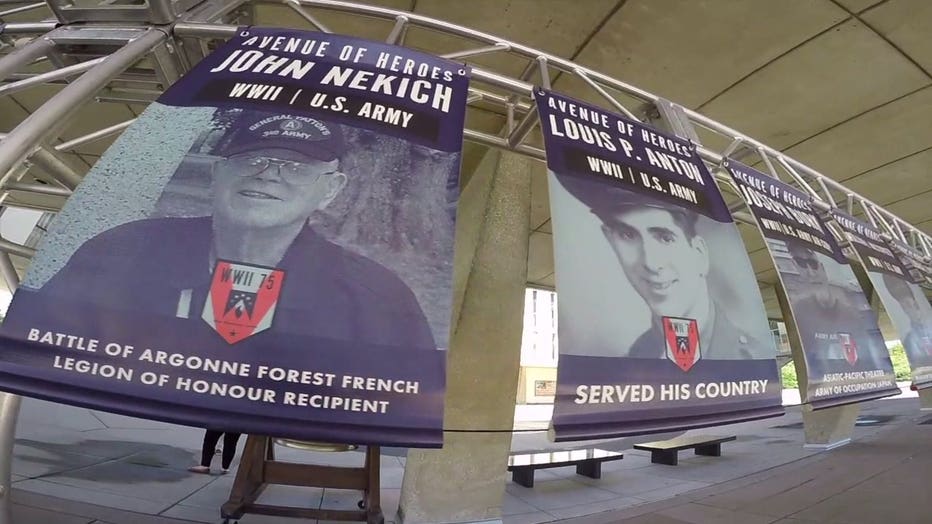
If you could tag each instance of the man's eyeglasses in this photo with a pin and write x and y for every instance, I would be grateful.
(292, 172)
(809, 263)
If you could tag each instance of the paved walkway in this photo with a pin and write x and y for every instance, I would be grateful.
(882, 477)
(75, 466)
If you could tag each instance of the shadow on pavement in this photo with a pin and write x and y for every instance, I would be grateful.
(119, 461)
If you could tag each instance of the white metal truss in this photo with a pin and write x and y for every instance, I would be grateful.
(129, 51)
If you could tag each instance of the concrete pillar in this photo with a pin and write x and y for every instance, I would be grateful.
(831, 427)
(465, 481)
(925, 399)
(826, 428)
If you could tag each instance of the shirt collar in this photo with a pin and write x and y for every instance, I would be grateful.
(188, 254)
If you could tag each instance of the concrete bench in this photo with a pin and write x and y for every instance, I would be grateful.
(667, 451)
(588, 463)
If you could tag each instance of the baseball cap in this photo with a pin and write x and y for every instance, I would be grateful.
(798, 248)
(309, 137)
(606, 198)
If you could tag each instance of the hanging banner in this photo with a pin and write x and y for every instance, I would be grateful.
(915, 262)
(267, 250)
(904, 301)
(661, 322)
(846, 358)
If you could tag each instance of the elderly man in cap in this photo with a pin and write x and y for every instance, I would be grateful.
(667, 263)
(272, 173)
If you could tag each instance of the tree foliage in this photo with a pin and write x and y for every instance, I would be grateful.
(788, 376)
(900, 364)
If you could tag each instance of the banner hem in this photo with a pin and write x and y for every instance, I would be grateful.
(852, 399)
(566, 433)
(213, 419)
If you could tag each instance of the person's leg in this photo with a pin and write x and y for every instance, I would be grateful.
(207, 451)
(229, 449)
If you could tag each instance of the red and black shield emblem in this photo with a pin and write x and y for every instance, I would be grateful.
(682, 340)
(849, 347)
(242, 299)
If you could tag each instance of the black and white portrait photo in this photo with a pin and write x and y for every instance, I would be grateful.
(911, 314)
(276, 220)
(834, 319)
(626, 261)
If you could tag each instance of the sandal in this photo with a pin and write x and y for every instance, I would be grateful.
(199, 469)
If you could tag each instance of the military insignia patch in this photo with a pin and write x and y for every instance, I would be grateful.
(291, 125)
(682, 340)
(242, 299)
(849, 347)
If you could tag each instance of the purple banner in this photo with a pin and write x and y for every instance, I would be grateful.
(363, 83)
(918, 265)
(869, 243)
(661, 323)
(846, 359)
(267, 250)
(904, 301)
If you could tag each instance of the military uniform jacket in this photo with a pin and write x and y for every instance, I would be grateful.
(819, 328)
(725, 342)
(329, 293)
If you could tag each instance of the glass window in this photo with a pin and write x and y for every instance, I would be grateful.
(539, 340)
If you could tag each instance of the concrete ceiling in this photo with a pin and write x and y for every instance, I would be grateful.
(842, 85)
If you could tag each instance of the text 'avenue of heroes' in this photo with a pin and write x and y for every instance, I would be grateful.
(294, 58)
(637, 145)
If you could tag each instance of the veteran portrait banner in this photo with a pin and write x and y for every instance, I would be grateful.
(267, 249)
(661, 323)
(846, 360)
(904, 301)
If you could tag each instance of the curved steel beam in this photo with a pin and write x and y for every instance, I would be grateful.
(598, 81)
(40, 125)
(20, 57)
(18, 144)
